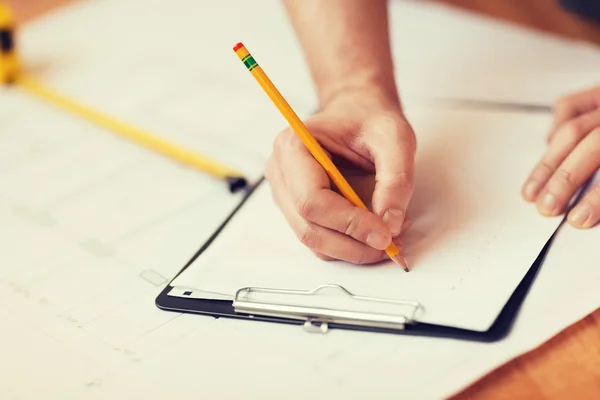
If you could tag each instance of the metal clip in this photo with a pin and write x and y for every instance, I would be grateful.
(313, 326)
(318, 319)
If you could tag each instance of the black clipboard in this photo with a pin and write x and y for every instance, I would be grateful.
(225, 308)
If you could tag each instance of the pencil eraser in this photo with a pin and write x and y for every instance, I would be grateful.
(238, 46)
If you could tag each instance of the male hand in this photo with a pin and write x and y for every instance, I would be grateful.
(572, 157)
(369, 133)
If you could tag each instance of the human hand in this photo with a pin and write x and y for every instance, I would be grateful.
(572, 157)
(368, 133)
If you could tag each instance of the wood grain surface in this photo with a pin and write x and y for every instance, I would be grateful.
(544, 15)
(568, 365)
(26, 10)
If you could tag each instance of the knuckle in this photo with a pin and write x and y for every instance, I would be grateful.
(281, 142)
(306, 207)
(307, 236)
(563, 178)
(543, 169)
(352, 224)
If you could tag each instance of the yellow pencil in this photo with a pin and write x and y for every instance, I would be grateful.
(309, 141)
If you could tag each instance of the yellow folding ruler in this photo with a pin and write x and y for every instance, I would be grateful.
(11, 74)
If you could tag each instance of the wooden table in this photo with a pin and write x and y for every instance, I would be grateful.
(568, 365)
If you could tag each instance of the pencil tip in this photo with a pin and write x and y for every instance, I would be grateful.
(400, 261)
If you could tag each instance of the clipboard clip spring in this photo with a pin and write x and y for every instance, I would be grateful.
(317, 319)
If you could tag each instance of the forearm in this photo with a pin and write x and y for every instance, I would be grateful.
(347, 46)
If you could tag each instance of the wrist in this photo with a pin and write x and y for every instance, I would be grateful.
(375, 86)
(383, 94)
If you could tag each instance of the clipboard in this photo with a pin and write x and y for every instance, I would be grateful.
(321, 319)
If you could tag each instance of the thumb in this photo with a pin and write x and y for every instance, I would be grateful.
(392, 147)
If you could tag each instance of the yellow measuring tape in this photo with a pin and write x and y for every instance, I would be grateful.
(10, 73)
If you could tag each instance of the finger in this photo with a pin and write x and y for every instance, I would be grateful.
(327, 258)
(297, 164)
(583, 161)
(587, 213)
(572, 106)
(322, 256)
(314, 201)
(324, 243)
(392, 146)
(566, 139)
(327, 242)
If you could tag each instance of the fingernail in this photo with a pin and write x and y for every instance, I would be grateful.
(580, 214)
(531, 190)
(377, 240)
(394, 219)
(548, 203)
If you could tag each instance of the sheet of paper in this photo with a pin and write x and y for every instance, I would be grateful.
(439, 51)
(473, 238)
(183, 82)
(92, 227)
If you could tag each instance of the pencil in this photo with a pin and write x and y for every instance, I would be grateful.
(309, 141)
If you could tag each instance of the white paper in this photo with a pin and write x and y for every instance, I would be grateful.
(439, 51)
(473, 237)
(92, 228)
(184, 81)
